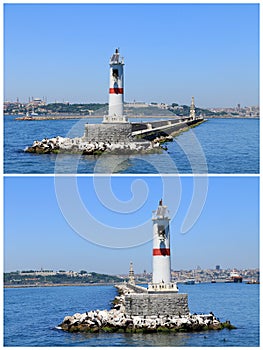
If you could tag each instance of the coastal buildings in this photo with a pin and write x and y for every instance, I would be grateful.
(178, 276)
(201, 275)
(130, 109)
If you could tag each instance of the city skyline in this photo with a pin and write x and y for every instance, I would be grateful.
(44, 101)
(42, 271)
(175, 51)
(226, 233)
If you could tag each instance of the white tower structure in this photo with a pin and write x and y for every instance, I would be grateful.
(116, 90)
(161, 276)
(131, 274)
(192, 109)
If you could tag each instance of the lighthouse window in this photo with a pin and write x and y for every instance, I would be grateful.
(115, 73)
(161, 230)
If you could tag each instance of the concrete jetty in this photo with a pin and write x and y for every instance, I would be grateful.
(125, 138)
(172, 127)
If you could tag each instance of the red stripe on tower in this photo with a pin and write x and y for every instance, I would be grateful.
(116, 91)
(161, 251)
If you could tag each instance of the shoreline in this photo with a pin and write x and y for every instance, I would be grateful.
(102, 284)
(58, 285)
(70, 117)
(230, 117)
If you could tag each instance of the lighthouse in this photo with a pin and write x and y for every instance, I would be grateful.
(192, 109)
(116, 90)
(161, 254)
(131, 274)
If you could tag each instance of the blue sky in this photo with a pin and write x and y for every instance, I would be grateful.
(36, 234)
(172, 52)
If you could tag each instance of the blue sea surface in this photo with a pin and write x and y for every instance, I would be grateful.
(218, 146)
(31, 315)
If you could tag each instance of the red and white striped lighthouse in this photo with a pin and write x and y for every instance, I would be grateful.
(161, 276)
(116, 90)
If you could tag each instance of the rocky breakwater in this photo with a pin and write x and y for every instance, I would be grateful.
(117, 320)
(78, 145)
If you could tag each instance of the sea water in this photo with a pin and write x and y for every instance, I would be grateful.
(219, 146)
(32, 314)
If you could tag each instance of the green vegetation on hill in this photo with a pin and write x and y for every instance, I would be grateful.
(73, 108)
(53, 108)
(33, 278)
(146, 111)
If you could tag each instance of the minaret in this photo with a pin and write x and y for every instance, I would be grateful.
(161, 276)
(192, 109)
(131, 274)
(116, 90)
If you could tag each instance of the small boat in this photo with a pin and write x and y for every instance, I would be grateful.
(189, 282)
(213, 281)
(33, 113)
(252, 282)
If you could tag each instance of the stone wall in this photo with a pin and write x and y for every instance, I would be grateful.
(119, 132)
(143, 304)
(139, 126)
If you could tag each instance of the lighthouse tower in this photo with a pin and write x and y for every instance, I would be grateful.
(161, 276)
(131, 274)
(116, 91)
(192, 109)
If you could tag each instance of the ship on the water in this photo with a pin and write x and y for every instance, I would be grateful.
(235, 277)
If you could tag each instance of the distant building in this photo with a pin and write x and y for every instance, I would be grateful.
(36, 102)
(217, 267)
(136, 104)
(38, 273)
